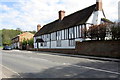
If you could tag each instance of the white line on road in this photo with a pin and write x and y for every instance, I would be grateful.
(97, 69)
(39, 59)
(11, 70)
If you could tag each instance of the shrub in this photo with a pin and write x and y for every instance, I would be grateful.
(99, 32)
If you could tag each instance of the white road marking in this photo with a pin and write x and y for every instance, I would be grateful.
(92, 68)
(22, 51)
(97, 69)
(40, 59)
(11, 71)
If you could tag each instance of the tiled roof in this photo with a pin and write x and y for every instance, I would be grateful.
(106, 20)
(23, 34)
(77, 18)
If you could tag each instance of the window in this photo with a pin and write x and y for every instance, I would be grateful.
(63, 35)
(75, 32)
(59, 35)
(83, 31)
(44, 38)
(45, 44)
(66, 33)
(58, 43)
(48, 37)
(71, 35)
(41, 44)
(79, 29)
(53, 36)
(72, 42)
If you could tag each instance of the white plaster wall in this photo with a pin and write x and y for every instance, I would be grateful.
(73, 47)
(90, 18)
(39, 44)
(79, 39)
(53, 44)
(97, 17)
(48, 45)
(63, 34)
(34, 39)
(18, 44)
(35, 45)
(65, 44)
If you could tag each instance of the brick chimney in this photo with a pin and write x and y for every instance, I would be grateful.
(99, 5)
(38, 27)
(61, 14)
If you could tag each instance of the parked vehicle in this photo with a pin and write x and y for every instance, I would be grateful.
(7, 48)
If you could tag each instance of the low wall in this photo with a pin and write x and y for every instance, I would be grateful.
(99, 48)
(67, 51)
(93, 48)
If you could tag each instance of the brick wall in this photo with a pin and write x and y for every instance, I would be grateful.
(67, 51)
(99, 48)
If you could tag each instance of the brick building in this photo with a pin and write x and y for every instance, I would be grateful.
(17, 41)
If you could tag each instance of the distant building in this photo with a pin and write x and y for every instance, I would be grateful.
(65, 31)
(119, 11)
(17, 41)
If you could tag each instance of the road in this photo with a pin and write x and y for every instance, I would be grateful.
(29, 64)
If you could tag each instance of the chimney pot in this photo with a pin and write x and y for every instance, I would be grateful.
(38, 27)
(61, 14)
(99, 5)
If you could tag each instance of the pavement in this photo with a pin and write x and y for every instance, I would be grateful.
(75, 55)
(79, 56)
(32, 64)
(89, 57)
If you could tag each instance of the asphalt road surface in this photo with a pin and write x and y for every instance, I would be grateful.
(29, 64)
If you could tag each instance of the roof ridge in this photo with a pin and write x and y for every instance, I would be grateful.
(76, 18)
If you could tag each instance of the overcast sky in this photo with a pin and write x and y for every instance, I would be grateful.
(26, 14)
